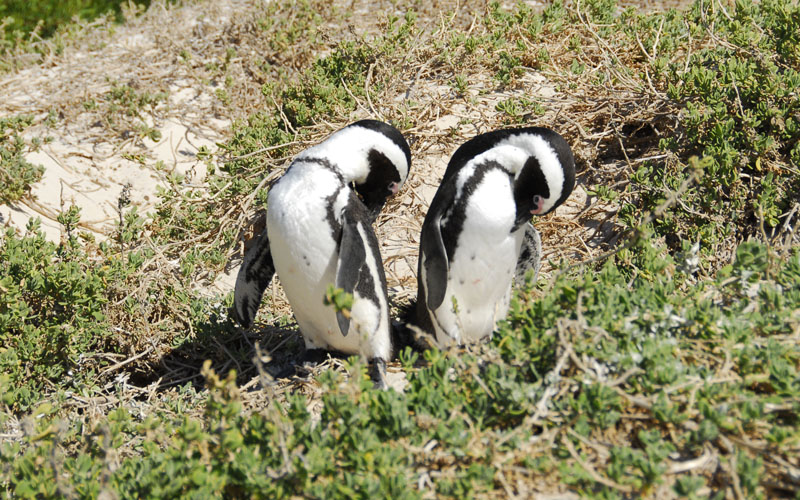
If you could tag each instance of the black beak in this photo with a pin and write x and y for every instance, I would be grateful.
(374, 201)
(374, 209)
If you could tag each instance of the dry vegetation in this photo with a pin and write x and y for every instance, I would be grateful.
(640, 366)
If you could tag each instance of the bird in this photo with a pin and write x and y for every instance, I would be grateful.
(477, 236)
(319, 232)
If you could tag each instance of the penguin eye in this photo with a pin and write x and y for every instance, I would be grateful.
(538, 205)
(394, 187)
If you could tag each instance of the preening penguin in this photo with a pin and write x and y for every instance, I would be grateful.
(319, 232)
(477, 234)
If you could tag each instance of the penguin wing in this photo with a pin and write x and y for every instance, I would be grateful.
(530, 255)
(433, 254)
(255, 274)
(352, 256)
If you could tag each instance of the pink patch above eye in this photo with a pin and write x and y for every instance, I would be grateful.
(537, 210)
(394, 187)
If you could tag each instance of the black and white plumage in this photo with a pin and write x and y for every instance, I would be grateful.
(477, 234)
(319, 232)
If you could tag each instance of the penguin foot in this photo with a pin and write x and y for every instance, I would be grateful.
(287, 372)
(305, 365)
(378, 374)
(313, 357)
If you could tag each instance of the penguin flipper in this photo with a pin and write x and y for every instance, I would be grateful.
(352, 256)
(433, 253)
(436, 265)
(254, 276)
(530, 255)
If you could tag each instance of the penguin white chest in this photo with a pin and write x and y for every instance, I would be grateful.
(304, 223)
(301, 225)
(483, 263)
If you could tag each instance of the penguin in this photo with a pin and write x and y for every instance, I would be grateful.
(319, 232)
(477, 236)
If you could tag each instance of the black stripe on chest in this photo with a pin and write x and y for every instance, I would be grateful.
(455, 216)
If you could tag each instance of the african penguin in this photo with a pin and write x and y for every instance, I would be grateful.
(319, 232)
(477, 234)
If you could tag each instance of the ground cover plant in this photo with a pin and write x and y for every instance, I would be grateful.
(17, 174)
(657, 356)
(21, 18)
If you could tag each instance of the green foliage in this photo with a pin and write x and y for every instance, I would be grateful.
(740, 106)
(730, 74)
(122, 109)
(464, 416)
(51, 313)
(339, 299)
(277, 453)
(57, 303)
(16, 173)
(333, 83)
(132, 102)
(605, 382)
(519, 110)
(330, 86)
(46, 16)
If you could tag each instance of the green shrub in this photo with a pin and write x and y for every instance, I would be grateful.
(727, 75)
(604, 382)
(52, 316)
(609, 341)
(46, 16)
(740, 109)
(16, 173)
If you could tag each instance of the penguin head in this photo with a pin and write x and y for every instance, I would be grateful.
(538, 158)
(371, 156)
(385, 178)
(388, 161)
(547, 176)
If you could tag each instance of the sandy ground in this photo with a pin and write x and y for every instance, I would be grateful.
(84, 164)
(87, 165)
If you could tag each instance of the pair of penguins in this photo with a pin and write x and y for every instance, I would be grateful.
(476, 237)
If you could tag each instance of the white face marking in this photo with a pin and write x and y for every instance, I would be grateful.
(510, 156)
(347, 149)
(512, 153)
(538, 147)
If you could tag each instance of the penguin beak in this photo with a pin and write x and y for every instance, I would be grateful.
(374, 212)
